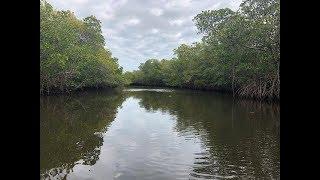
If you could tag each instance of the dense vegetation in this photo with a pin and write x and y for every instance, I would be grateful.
(72, 53)
(239, 52)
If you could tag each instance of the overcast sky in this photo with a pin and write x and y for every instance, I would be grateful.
(138, 30)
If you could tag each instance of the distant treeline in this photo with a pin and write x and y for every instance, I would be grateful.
(72, 53)
(239, 52)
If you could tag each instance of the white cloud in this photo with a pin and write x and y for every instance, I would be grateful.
(178, 3)
(156, 11)
(105, 15)
(154, 31)
(79, 2)
(137, 30)
(109, 32)
(215, 6)
(133, 21)
(177, 35)
(177, 22)
(117, 3)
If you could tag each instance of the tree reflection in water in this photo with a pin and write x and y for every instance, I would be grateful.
(71, 130)
(239, 137)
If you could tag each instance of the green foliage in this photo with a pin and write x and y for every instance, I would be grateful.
(72, 53)
(239, 52)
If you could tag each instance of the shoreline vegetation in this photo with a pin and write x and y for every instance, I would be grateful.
(73, 54)
(239, 53)
(218, 90)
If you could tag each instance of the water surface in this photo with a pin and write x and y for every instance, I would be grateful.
(158, 134)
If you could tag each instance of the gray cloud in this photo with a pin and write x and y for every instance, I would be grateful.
(137, 30)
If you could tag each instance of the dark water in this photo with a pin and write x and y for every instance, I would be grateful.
(158, 134)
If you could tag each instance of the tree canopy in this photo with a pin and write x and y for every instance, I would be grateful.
(239, 52)
(73, 53)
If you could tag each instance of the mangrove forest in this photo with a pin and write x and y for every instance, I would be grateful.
(239, 53)
(172, 89)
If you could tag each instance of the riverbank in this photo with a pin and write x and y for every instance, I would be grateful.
(209, 89)
(79, 90)
(117, 89)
